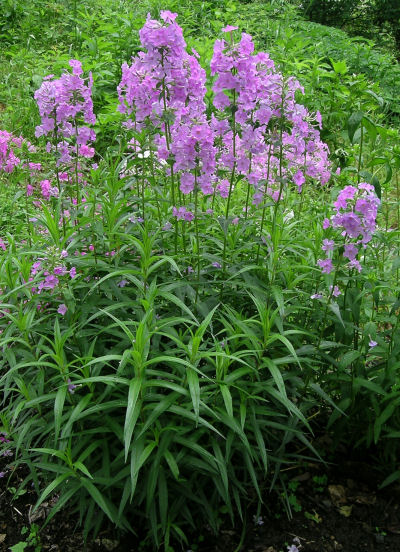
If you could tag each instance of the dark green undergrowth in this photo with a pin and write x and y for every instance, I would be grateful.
(192, 365)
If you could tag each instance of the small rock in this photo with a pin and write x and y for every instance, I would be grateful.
(350, 483)
(338, 494)
(108, 544)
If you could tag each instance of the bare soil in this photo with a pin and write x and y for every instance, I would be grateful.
(338, 509)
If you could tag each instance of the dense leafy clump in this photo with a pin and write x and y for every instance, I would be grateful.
(182, 306)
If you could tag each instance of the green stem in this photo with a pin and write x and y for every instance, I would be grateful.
(231, 181)
(155, 188)
(248, 189)
(329, 301)
(398, 215)
(360, 154)
(273, 230)
(143, 185)
(168, 140)
(173, 201)
(265, 207)
(55, 138)
(303, 187)
(78, 199)
(197, 233)
(27, 218)
(94, 219)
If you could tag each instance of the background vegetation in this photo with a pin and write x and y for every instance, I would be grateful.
(197, 388)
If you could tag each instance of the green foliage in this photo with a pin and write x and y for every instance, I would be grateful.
(329, 12)
(32, 539)
(306, 49)
(161, 410)
(368, 18)
(176, 401)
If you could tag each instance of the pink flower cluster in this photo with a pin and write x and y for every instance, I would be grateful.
(165, 87)
(9, 158)
(45, 190)
(182, 214)
(273, 137)
(48, 190)
(259, 129)
(4, 440)
(51, 271)
(356, 212)
(163, 77)
(65, 104)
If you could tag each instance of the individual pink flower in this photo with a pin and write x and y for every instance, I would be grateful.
(355, 264)
(182, 214)
(316, 296)
(86, 151)
(50, 282)
(62, 309)
(335, 291)
(168, 16)
(60, 270)
(229, 29)
(223, 188)
(298, 179)
(350, 251)
(187, 183)
(325, 265)
(76, 66)
(328, 245)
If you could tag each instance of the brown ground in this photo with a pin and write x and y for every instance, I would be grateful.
(339, 509)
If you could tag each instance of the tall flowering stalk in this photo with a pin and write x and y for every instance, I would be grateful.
(258, 133)
(356, 209)
(163, 92)
(66, 110)
(271, 139)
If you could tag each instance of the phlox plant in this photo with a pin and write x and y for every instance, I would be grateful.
(162, 352)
